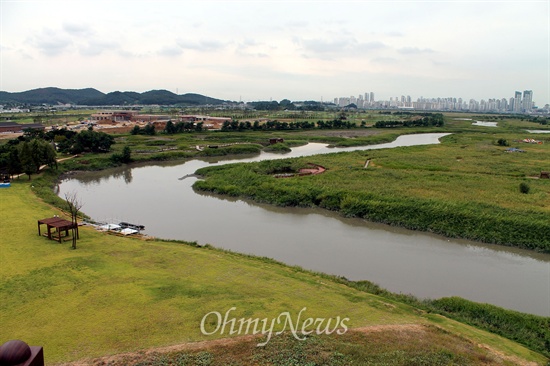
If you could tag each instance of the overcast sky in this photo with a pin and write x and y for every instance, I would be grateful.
(300, 50)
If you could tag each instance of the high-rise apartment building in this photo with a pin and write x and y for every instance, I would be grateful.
(527, 100)
(504, 104)
(517, 102)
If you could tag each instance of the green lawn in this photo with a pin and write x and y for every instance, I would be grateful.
(115, 295)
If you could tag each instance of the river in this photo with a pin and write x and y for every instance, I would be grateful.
(400, 260)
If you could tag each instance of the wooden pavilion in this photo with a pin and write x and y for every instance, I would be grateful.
(59, 224)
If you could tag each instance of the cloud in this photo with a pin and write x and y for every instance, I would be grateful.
(50, 42)
(297, 24)
(201, 46)
(249, 42)
(440, 63)
(251, 48)
(171, 51)
(385, 60)
(394, 34)
(53, 42)
(77, 30)
(370, 46)
(328, 49)
(142, 54)
(95, 48)
(414, 50)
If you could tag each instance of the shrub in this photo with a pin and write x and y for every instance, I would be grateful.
(524, 188)
(502, 142)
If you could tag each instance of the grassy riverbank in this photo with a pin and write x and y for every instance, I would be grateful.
(115, 295)
(468, 187)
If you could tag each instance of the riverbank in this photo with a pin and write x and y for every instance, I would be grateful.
(490, 312)
(115, 295)
(44, 185)
(466, 187)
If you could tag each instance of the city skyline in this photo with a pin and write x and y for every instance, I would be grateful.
(518, 103)
(261, 50)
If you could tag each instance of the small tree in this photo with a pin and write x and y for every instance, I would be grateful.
(126, 155)
(170, 127)
(149, 129)
(73, 205)
(14, 163)
(136, 130)
(42, 153)
(25, 158)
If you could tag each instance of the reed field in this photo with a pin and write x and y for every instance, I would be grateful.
(467, 186)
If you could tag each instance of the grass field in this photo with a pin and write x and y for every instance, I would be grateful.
(115, 295)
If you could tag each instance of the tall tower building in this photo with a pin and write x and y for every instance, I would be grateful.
(504, 104)
(527, 100)
(511, 105)
(371, 96)
(517, 102)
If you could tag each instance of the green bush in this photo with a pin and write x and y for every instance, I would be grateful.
(524, 188)
(502, 142)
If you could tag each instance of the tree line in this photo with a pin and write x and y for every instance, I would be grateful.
(172, 128)
(286, 104)
(278, 125)
(436, 120)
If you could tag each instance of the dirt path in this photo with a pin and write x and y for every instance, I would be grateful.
(406, 330)
(44, 166)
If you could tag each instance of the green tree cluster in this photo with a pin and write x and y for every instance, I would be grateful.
(269, 125)
(265, 106)
(149, 129)
(27, 157)
(335, 124)
(180, 127)
(86, 141)
(435, 119)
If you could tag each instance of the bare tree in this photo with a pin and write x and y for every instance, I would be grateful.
(73, 205)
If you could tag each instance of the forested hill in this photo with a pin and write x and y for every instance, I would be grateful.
(90, 96)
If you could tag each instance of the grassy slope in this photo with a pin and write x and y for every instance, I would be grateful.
(116, 294)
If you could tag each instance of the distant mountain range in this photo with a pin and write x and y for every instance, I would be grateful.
(90, 96)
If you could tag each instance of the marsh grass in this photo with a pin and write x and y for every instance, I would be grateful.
(465, 187)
